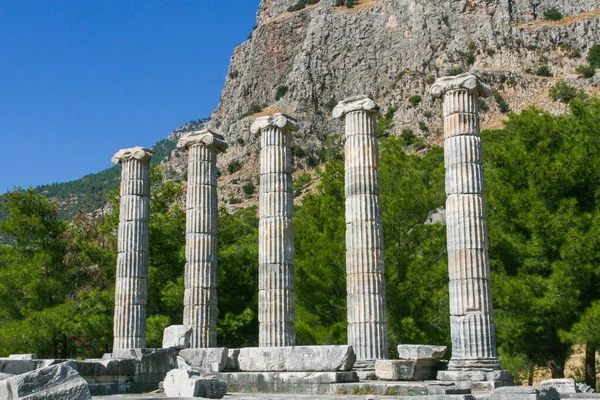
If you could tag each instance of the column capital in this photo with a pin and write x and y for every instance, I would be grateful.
(466, 81)
(206, 137)
(355, 103)
(281, 121)
(138, 153)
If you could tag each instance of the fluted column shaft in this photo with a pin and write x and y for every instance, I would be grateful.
(365, 280)
(201, 268)
(471, 311)
(276, 298)
(131, 291)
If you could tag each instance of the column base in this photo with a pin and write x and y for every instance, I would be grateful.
(477, 364)
(477, 379)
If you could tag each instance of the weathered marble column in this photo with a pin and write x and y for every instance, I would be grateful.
(200, 298)
(365, 280)
(131, 292)
(471, 313)
(276, 308)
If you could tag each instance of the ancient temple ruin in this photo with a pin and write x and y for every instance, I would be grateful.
(472, 329)
(277, 364)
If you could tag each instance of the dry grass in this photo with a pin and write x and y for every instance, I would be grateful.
(562, 22)
(288, 14)
(270, 110)
(362, 4)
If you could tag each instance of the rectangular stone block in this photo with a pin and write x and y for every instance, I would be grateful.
(420, 352)
(561, 385)
(296, 359)
(405, 370)
(23, 357)
(446, 389)
(524, 393)
(204, 360)
(17, 367)
(286, 382)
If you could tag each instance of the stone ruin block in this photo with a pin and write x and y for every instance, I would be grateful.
(405, 370)
(204, 360)
(180, 383)
(417, 362)
(296, 359)
(59, 381)
(233, 362)
(561, 385)
(23, 357)
(524, 393)
(132, 370)
(177, 337)
(420, 352)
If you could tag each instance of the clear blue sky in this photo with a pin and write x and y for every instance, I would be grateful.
(82, 79)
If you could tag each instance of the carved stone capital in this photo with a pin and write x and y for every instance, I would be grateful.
(206, 137)
(466, 81)
(138, 153)
(280, 121)
(354, 103)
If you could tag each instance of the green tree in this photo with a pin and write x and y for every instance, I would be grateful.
(542, 185)
(40, 282)
(237, 322)
(412, 190)
(320, 263)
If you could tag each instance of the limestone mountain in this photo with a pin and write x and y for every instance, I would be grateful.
(304, 62)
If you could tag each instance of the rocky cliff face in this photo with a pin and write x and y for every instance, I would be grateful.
(304, 62)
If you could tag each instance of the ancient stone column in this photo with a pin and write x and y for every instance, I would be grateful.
(200, 298)
(276, 308)
(131, 292)
(365, 280)
(471, 313)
